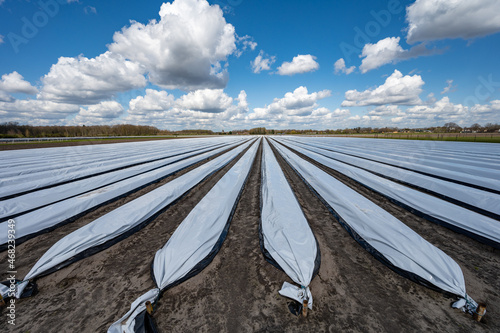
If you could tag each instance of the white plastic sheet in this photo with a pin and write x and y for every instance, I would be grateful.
(124, 218)
(36, 199)
(50, 216)
(26, 161)
(197, 239)
(424, 152)
(399, 245)
(286, 233)
(127, 323)
(441, 210)
(474, 176)
(485, 201)
(35, 181)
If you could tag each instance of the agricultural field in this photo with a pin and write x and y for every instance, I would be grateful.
(369, 235)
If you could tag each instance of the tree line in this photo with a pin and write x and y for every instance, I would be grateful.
(15, 130)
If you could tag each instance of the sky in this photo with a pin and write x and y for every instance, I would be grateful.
(239, 64)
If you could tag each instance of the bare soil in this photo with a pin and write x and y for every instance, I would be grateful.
(238, 291)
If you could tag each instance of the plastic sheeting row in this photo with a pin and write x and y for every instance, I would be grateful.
(121, 222)
(385, 237)
(478, 177)
(20, 162)
(437, 210)
(426, 152)
(46, 218)
(483, 202)
(27, 202)
(194, 243)
(21, 184)
(285, 236)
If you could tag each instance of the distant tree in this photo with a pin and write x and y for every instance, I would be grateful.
(452, 128)
(476, 127)
(258, 131)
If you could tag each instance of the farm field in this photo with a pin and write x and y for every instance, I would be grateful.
(89, 220)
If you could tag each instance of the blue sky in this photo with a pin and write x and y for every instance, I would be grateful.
(234, 64)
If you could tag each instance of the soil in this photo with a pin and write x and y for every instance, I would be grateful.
(238, 291)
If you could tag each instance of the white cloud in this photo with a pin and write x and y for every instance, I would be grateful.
(106, 109)
(442, 110)
(397, 89)
(246, 42)
(154, 100)
(435, 113)
(302, 63)
(296, 103)
(15, 83)
(88, 81)
(204, 108)
(386, 110)
(90, 10)
(206, 100)
(105, 112)
(262, 62)
(32, 111)
(340, 67)
(4, 97)
(185, 49)
(1, 38)
(388, 51)
(441, 19)
(242, 101)
(449, 87)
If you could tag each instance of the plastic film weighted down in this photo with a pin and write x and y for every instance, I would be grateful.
(285, 236)
(123, 221)
(206, 228)
(389, 240)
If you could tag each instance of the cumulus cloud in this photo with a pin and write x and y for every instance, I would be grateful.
(15, 83)
(184, 49)
(35, 110)
(449, 87)
(441, 19)
(296, 103)
(262, 62)
(302, 63)
(106, 109)
(386, 110)
(442, 110)
(242, 101)
(86, 81)
(340, 67)
(198, 109)
(388, 51)
(397, 89)
(206, 100)
(154, 100)
(5, 97)
(490, 113)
